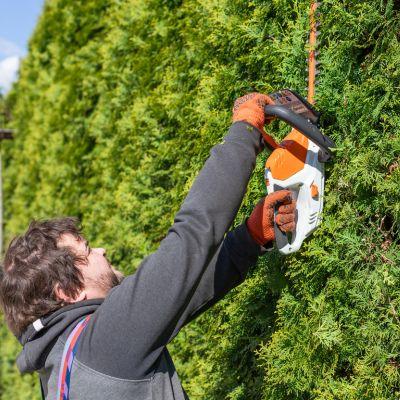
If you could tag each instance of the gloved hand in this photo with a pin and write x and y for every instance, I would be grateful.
(260, 224)
(250, 108)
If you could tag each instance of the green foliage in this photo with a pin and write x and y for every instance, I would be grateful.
(117, 106)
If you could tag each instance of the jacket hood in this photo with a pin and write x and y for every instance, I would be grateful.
(40, 337)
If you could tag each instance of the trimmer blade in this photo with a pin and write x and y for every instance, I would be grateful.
(313, 53)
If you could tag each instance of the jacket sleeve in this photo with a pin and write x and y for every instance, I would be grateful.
(227, 269)
(138, 318)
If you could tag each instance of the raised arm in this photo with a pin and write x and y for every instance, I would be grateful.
(140, 316)
(241, 249)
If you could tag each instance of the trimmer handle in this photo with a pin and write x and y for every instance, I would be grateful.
(283, 244)
(297, 237)
(304, 126)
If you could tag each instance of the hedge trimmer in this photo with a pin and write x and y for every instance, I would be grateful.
(297, 163)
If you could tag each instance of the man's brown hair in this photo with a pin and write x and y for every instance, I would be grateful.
(33, 267)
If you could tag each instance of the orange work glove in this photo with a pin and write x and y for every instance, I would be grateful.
(250, 108)
(260, 224)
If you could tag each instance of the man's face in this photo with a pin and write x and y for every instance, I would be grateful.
(98, 274)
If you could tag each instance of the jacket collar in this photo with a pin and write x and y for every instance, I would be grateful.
(40, 336)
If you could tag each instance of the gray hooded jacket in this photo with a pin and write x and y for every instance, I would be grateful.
(122, 352)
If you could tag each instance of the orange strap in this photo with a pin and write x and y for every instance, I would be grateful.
(270, 141)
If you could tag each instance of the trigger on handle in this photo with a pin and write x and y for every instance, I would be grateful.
(283, 239)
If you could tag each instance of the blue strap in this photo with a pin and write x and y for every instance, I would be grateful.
(70, 350)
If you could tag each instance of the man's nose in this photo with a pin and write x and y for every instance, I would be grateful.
(100, 250)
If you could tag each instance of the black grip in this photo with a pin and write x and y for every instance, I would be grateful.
(303, 125)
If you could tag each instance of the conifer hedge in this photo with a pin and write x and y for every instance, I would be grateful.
(116, 108)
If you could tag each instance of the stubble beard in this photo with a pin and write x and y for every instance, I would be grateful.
(108, 280)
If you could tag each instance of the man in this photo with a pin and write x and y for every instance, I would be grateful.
(93, 335)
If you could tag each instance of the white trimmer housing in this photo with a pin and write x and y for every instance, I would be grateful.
(304, 177)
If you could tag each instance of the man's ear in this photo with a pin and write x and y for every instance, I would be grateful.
(62, 296)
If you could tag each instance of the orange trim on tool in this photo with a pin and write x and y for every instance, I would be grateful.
(269, 141)
(314, 190)
(290, 159)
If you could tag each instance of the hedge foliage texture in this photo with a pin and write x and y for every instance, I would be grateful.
(116, 108)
